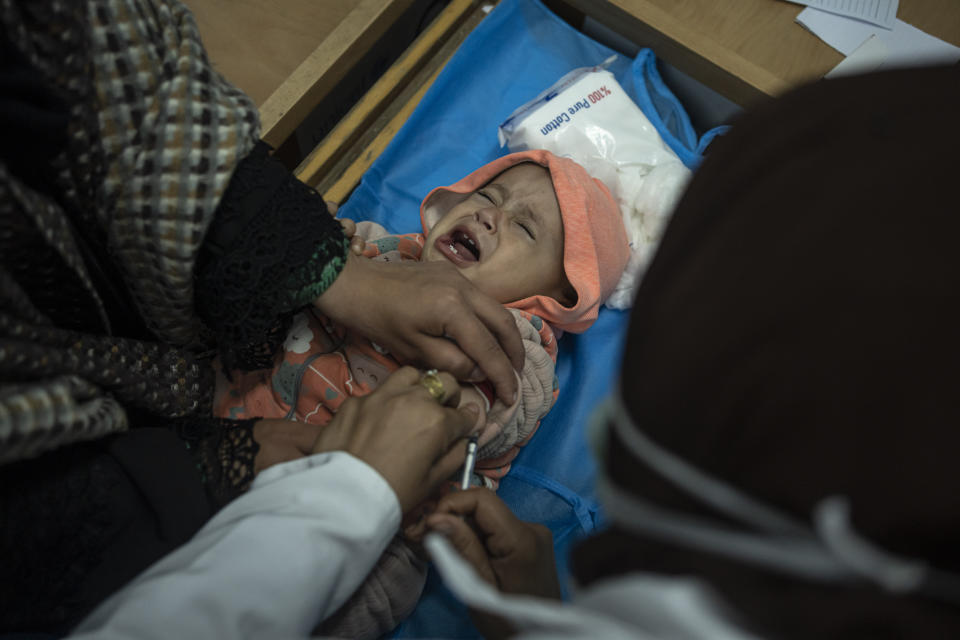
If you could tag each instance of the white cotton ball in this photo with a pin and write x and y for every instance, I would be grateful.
(649, 195)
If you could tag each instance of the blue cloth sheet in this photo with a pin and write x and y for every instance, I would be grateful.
(520, 49)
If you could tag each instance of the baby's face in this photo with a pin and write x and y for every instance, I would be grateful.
(506, 237)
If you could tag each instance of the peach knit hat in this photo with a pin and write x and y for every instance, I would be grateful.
(595, 246)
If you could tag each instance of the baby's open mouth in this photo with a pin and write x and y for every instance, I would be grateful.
(459, 246)
(461, 243)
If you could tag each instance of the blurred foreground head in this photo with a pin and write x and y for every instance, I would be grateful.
(798, 337)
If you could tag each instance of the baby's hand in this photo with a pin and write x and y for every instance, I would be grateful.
(357, 244)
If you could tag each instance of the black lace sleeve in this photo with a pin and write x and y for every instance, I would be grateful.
(223, 451)
(271, 249)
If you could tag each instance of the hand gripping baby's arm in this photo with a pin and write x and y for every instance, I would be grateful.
(509, 428)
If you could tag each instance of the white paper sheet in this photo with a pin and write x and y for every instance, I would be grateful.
(868, 57)
(877, 12)
(902, 46)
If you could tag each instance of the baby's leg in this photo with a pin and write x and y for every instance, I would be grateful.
(384, 600)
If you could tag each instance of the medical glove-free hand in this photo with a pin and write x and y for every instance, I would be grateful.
(429, 315)
(514, 555)
(282, 440)
(404, 433)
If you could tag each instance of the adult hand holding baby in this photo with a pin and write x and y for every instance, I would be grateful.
(405, 433)
(429, 315)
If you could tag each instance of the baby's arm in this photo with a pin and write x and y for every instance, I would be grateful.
(509, 428)
(384, 600)
(372, 240)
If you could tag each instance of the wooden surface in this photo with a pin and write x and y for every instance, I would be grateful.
(940, 18)
(256, 44)
(290, 54)
(341, 179)
(399, 76)
(326, 65)
(746, 49)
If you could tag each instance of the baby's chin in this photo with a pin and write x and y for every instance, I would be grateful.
(432, 254)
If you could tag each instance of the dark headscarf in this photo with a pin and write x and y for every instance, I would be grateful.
(798, 335)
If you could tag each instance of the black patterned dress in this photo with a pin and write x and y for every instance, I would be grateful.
(143, 229)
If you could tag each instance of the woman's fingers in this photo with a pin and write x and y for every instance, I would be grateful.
(488, 336)
(520, 554)
(489, 513)
(443, 384)
(501, 324)
(412, 380)
(464, 539)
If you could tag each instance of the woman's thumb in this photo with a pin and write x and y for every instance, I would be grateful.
(475, 415)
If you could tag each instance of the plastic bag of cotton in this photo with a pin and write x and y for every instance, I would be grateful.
(588, 117)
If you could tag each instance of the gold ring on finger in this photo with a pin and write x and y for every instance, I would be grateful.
(431, 380)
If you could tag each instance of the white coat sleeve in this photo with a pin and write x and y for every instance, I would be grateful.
(271, 564)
